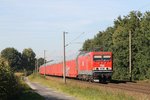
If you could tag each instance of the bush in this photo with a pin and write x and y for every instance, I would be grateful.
(8, 82)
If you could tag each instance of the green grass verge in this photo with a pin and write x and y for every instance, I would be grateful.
(28, 94)
(25, 92)
(80, 90)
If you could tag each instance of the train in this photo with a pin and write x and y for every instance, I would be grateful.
(89, 66)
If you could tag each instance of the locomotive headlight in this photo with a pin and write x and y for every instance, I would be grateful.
(95, 68)
(109, 68)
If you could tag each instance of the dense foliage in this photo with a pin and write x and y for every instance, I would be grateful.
(12, 56)
(19, 61)
(28, 57)
(8, 82)
(40, 61)
(116, 39)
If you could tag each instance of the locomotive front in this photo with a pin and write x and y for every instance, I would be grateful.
(102, 66)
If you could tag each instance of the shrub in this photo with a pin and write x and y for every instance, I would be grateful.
(8, 82)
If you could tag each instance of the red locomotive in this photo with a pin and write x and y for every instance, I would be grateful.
(90, 66)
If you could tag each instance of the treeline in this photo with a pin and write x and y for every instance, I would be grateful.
(12, 61)
(116, 39)
(21, 61)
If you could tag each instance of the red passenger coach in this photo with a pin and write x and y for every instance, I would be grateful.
(87, 66)
(57, 69)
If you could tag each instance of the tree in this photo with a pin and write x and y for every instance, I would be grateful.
(104, 39)
(12, 56)
(28, 57)
(121, 53)
(141, 44)
(40, 61)
(87, 45)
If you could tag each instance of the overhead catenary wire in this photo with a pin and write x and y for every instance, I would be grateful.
(75, 39)
(59, 58)
(72, 55)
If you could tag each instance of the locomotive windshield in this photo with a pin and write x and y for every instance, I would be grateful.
(97, 58)
(100, 57)
(106, 58)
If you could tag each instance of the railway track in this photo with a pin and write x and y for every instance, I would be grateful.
(129, 87)
(126, 86)
(133, 87)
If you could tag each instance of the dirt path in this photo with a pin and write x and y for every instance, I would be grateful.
(48, 93)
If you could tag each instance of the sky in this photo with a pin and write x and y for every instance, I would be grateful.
(39, 24)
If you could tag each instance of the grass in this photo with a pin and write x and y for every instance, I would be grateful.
(80, 90)
(28, 94)
(145, 81)
(25, 92)
(19, 74)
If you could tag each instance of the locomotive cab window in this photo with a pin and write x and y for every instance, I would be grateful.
(106, 57)
(97, 58)
(100, 57)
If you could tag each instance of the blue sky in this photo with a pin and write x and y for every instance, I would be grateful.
(39, 24)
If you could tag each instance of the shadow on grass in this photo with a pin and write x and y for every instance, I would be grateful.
(28, 95)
